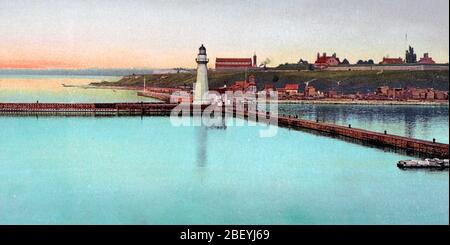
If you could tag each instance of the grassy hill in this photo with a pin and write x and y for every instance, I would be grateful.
(342, 81)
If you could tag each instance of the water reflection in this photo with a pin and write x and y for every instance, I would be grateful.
(424, 122)
(202, 146)
(202, 136)
(409, 128)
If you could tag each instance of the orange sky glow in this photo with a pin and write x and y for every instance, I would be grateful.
(166, 34)
(37, 64)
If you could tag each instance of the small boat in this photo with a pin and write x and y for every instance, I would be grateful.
(434, 163)
(217, 127)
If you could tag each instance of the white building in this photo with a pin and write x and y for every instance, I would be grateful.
(201, 86)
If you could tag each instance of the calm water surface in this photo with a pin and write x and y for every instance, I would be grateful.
(128, 170)
(50, 89)
(416, 121)
(423, 122)
(132, 170)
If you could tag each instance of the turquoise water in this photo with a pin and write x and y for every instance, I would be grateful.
(132, 170)
(415, 121)
(50, 89)
(423, 122)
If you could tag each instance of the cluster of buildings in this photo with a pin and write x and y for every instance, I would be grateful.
(332, 62)
(248, 85)
(289, 91)
(410, 93)
(293, 91)
(323, 61)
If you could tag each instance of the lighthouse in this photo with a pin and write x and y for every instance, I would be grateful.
(201, 85)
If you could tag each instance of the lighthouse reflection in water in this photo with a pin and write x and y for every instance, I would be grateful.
(202, 136)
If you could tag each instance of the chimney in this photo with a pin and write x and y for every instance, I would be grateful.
(324, 54)
(254, 60)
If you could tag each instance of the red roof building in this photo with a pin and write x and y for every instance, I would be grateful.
(391, 61)
(426, 59)
(291, 88)
(235, 63)
(325, 61)
(244, 86)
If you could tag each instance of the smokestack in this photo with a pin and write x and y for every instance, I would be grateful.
(254, 60)
(324, 54)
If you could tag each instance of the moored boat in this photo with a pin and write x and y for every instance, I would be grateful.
(434, 163)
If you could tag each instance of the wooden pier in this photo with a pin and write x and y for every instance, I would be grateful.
(374, 138)
(109, 108)
(165, 97)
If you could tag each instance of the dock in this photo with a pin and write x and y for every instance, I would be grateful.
(430, 148)
(370, 137)
(156, 95)
(146, 108)
(435, 163)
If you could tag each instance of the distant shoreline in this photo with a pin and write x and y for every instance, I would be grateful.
(90, 86)
(313, 101)
(318, 101)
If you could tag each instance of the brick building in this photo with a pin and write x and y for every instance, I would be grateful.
(325, 61)
(236, 63)
(244, 86)
(391, 61)
(426, 59)
(291, 89)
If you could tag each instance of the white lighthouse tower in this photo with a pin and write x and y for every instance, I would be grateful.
(201, 85)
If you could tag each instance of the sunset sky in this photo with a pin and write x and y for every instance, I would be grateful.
(164, 34)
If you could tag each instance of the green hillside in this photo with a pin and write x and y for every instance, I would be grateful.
(342, 81)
